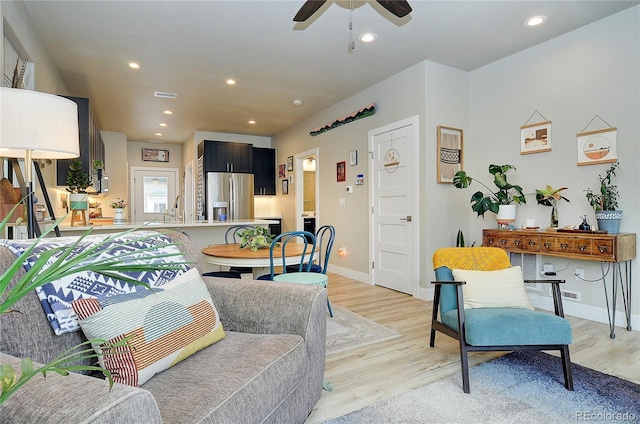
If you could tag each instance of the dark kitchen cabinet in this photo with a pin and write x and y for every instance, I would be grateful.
(91, 144)
(264, 171)
(223, 156)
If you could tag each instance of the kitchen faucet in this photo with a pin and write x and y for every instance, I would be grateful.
(178, 216)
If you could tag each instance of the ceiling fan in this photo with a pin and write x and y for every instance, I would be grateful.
(399, 8)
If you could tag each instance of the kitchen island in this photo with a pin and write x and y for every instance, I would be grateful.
(202, 234)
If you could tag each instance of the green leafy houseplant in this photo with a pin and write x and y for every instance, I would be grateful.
(505, 194)
(89, 260)
(255, 238)
(549, 197)
(606, 199)
(77, 180)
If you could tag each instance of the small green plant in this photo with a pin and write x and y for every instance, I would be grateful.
(490, 202)
(607, 198)
(460, 240)
(255, 238)
(77, 179)
(548, 196)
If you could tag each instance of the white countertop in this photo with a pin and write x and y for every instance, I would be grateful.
(200, 224)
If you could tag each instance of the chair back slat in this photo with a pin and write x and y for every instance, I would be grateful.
(325, 236)
(230, 236)
(469, 258)
(281, 241)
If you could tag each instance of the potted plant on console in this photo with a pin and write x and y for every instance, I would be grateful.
(503, 201)
(549, 197)
(77, 183)
(605, 202)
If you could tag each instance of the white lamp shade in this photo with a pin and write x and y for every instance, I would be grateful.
(45, 124)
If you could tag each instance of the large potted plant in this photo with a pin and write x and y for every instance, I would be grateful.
(605, 201)
(502, 201)
(77, 183)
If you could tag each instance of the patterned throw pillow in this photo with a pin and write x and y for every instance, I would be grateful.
(164, 326)
(493, 289)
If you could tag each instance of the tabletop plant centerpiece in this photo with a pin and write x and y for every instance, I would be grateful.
(502, 202)
(605, 201)
(255, 238)
(118, 205)
(549, 197)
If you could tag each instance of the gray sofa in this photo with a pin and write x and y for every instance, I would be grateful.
(268, 369)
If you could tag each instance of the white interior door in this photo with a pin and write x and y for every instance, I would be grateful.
(154, 192)
(394, 207)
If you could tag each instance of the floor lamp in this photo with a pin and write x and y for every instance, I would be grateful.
(35, 125)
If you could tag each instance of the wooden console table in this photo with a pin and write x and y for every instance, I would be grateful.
(617, 249)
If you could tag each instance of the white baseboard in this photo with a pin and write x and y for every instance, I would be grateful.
(349, 273)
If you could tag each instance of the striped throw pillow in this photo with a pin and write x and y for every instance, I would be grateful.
(163, 327)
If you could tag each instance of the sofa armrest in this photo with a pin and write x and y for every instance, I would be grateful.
(76, 398)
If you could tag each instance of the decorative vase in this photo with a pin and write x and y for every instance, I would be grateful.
(506, 216)
(118, 217)
(554, 214)
(609, 221)
(78, 201)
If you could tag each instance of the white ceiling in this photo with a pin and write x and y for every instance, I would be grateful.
(192, 47)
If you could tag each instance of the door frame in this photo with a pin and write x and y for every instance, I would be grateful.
(134, 169)
(414, 122)
(299, 186)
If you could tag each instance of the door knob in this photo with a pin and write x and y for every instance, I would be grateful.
(408, 218)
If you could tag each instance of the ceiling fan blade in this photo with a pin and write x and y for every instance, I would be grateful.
(308, 8)
(400, 8)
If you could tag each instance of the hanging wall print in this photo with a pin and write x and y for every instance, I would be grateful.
(597, 146)
(535, 138)
(449, 153)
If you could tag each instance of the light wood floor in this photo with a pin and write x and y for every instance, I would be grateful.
(382, 370)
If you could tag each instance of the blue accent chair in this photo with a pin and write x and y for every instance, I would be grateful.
(493, 329)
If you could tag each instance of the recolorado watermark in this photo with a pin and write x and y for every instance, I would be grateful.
(606, 416)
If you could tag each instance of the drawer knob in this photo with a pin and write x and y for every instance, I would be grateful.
(547, 245)
(582, 247)
(491, 240)
(532, 243)
(564, 246)
(503, 241)
(517, 242)
(603, 249)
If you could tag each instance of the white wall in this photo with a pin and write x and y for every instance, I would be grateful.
(593, 70)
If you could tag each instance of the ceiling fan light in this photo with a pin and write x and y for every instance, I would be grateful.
(367, 37)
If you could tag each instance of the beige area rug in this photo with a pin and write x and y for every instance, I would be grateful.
(347, 330)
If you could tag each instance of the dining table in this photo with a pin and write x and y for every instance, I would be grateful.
(231, 255)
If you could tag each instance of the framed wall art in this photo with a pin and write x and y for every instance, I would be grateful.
(353, 157)
(450, 141)
(341, 171)
(535, 138)
(282, 171)
(597, 146)
(290, 163)
(285, 186)
(155, 155)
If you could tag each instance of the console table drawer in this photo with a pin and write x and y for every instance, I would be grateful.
(598, 247)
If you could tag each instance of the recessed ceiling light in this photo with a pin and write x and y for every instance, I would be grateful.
(367, 37)
(159, 134)
(167, 112)
(231, 81)
(134, 65)
(163, 124)
(252, 122)
(297, 102)
(535, 20)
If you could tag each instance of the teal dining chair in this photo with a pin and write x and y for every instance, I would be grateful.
(325, 236)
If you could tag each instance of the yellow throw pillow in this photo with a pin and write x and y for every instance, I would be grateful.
(164, 326)
(493, 289)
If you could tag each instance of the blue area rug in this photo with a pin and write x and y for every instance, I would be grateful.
(521, 387)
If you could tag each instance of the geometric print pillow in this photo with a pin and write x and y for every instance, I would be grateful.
(163, 326)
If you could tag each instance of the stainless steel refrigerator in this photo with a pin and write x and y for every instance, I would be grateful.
(229, 194)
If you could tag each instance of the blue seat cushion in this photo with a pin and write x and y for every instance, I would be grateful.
(510, 326)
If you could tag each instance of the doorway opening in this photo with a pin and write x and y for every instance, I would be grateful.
(154, 193)
(307, 190)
